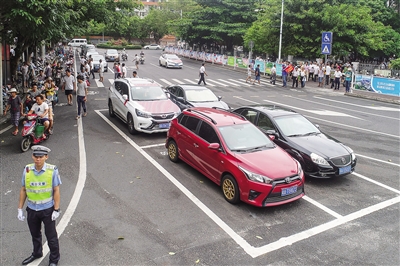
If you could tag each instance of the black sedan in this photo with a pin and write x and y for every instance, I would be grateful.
(319, 154)
(191, 95)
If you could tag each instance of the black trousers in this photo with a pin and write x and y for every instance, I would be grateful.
(202, 79)
(295, 81)
(35, 219)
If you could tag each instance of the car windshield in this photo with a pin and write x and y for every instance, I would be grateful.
(171, 56)
(200, 95)
(148, 93)
(244, 138)
(296, 126)
(112, 51)
(97, 57)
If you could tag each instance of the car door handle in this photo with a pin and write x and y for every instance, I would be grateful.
(195, 145)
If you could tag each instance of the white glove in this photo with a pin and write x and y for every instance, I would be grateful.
(55, 215)
(21, 216)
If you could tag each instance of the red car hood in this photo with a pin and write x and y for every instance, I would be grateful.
(158, 107)
(274, 163)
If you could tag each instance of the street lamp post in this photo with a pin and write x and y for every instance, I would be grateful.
(280, 33)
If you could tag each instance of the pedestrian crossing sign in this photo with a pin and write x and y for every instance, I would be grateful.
(326, 48)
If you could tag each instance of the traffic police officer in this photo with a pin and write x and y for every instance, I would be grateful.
(40, 184)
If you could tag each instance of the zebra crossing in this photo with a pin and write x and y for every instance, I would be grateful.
(225, 85)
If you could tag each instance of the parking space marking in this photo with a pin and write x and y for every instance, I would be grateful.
(344, 125)
(376, 182)
(378, 160)
(5, 129)
(152, 146)
(322, 207)
(287, 241)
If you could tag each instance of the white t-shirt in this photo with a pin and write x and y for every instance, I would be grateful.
(69, 82)
(338, 74)
(273, 70)
(327, 70)
(87, 68)
(81, 88)
(124, 71)
(248, 71)
(40, 109)
(202, 69)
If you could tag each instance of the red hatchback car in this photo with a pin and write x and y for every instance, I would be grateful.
(236, 155)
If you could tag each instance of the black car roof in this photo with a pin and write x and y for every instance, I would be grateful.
(273, 110)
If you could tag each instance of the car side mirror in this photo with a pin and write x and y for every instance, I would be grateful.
(219, 98)
(180, 99)
(272, 134)
(214, 146)
(125, 97)
(168, 94)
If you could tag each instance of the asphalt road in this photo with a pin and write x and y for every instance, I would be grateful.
(124, 203)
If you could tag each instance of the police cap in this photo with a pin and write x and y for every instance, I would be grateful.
(39, 150)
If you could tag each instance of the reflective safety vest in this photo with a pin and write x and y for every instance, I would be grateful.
(39, 189)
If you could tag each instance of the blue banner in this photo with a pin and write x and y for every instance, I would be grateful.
(386, 86)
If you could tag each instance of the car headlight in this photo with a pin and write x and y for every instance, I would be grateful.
(318, 159)
(256, 177)
(353, 155)
(299, 169)
(142, 113)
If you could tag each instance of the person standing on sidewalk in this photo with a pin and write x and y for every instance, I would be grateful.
(284, 74)
(249, 71)
(348, 77)
(327, 73)
(295, 76)
(338, 76)
(202, 72)
(69, 86)
(101, 71)
(273, 74)
(320, 76)
(14, 104)
(41, 188)
(81, 96)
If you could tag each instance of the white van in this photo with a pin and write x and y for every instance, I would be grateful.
(77, 42)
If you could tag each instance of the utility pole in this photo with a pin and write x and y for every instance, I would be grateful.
(280, 34)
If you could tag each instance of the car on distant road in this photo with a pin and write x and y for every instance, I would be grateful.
(236, 155)
(170, 61)
(111, 55)
(320, 155)
(96, 62)
(142, 104)
(91, 53)
(152, 47)
(191, 95)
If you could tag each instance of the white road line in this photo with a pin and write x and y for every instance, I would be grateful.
(241, 83)
(80, 184)
(262, 83)
(322, 207)
(376, 183)
(177, 81)
(5, 129)
(190, 81)
(152, 146)
(208, 84)
(98, 83)
(378, 108)
(231, 83)
(166, 81)
(378, 160)
(238, 239)
(219, 83)
(111, 70)
(290, 240)
(342, 108)
(111, 81)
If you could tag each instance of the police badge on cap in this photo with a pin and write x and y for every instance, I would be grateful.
(39, 150)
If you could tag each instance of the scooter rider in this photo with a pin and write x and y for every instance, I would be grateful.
(124, 54)
(41, 109)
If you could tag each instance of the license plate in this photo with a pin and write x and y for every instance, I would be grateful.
(163, 125)
(288, 191)
(345, 170)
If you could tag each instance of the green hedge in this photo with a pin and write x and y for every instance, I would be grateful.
(110, 46)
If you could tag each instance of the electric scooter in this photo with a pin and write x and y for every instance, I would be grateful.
(32, 132)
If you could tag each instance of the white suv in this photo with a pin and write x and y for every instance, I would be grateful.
(142, 104)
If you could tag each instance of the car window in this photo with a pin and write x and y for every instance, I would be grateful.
(172, 90)
(264, 122)
(201, 95)
(147, 93)
(244, 137)
(190, 122)
(291, 125)
(117, 86)
(179, 92)
(207, 133)
(124, 89)
(250, 115)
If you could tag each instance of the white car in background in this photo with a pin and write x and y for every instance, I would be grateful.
(112, 55)
(152, 47)
(91, 53)
(170, 60)
(96, 62)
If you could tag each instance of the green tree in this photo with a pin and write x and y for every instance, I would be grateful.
(157, 22)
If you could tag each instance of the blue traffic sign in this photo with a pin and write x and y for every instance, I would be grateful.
(326, 48)
(327, 37)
